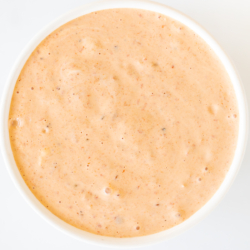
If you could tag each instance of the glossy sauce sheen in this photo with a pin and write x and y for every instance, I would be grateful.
(123, 122)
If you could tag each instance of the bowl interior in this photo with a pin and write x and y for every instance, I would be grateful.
(102, 240)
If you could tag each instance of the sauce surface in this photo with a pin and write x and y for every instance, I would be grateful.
(123, 122)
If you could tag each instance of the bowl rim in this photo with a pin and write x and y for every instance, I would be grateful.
(104, 240)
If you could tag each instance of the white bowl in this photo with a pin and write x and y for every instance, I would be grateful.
(110, 241)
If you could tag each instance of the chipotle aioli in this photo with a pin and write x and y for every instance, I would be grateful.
(123, 122)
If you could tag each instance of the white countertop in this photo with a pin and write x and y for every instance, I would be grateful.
(227, 227)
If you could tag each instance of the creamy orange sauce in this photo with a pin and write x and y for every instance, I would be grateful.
(123, 122)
